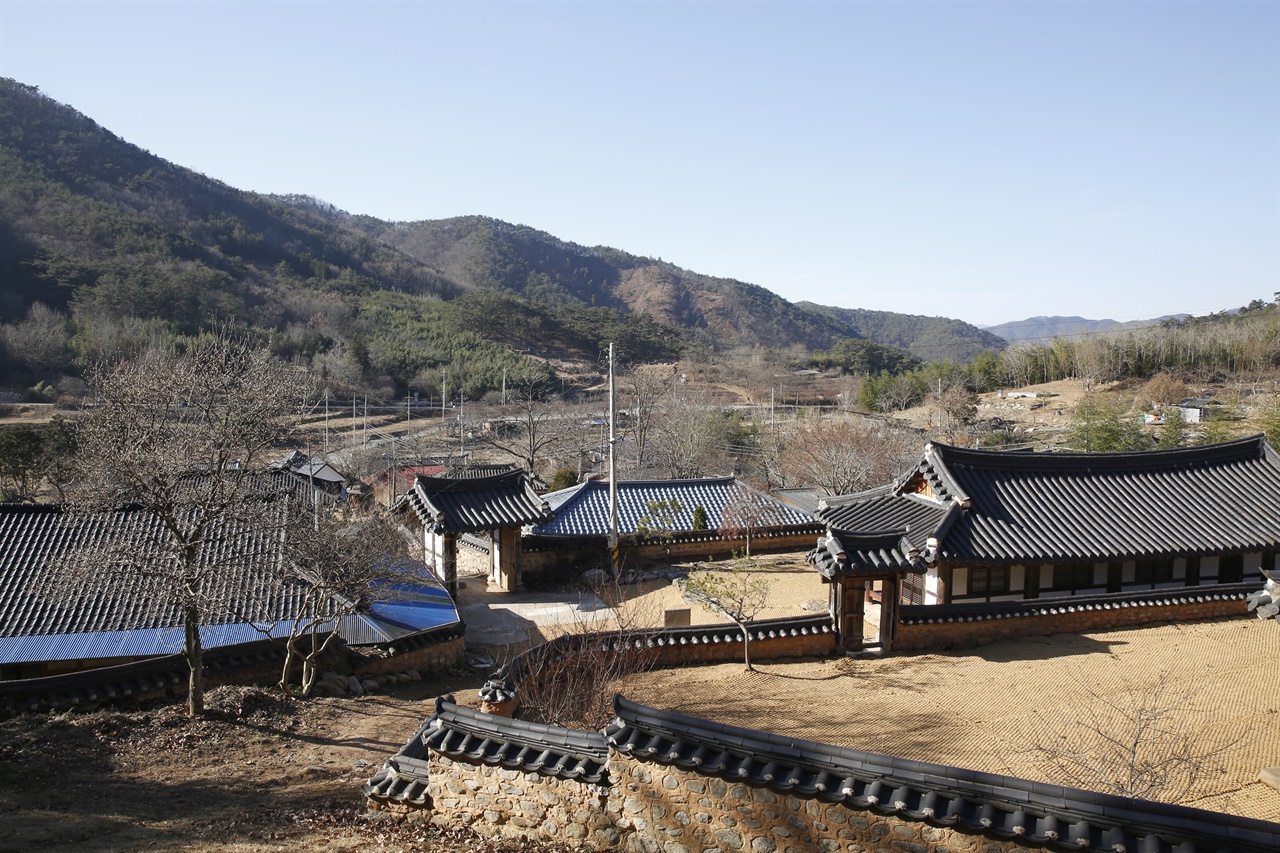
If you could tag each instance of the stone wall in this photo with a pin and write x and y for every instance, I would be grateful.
(962, 632)
(496, 801)
(652, 808)
(436, 657)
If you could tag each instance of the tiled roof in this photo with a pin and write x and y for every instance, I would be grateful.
(474, 736)
(583, 510)
(125, 616)
(864, 555)
(999, 807)
(32, 535)
(477, 504)
(997, 506)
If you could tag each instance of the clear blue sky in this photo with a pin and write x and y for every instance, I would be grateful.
(982, 160)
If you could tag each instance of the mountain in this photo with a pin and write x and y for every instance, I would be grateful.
(129, 246)
(478, 252)
(1044, 329)
(927, 338)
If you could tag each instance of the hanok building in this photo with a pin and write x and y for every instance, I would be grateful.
(51, 629)
(738, 518)
(496, 506)
(974, 543)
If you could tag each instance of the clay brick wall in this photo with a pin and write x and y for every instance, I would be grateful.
(810, 645)
(971, 633)
(542, 553)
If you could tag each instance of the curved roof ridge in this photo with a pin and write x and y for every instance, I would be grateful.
(857, 497)
(457, 483)
(1240, 449)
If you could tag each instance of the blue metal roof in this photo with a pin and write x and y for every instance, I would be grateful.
(122, 617)
(583, 510)
(139, 642)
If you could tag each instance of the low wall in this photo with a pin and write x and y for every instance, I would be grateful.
(549, 553)
(964, 625)
(680, 811)
(770, 639)
(440, 649)
(259, 662)
(662, 782)
(497, 801)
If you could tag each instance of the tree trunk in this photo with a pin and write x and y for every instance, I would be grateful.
(193, 651)
(746, 646)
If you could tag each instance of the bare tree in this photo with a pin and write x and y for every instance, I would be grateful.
(39, 340)
(645, 388)
(1147, 742)
(738, 595)
(571, 680)
(690, 439)
(746, 514)
(341, 566)
(954, 408)
(182, 436)
(846, 456)
(33, 458)
(531, 427)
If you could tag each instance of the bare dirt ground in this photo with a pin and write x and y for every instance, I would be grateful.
(259, 773)
(988, 709)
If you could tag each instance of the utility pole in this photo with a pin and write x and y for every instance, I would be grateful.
(613, 471)
(504, 386)
(326, 423)
(444, 391)
(462, 426)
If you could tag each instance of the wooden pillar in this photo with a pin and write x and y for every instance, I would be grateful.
(890, 599)
(506, 562)
(449, 564)
(852, 613)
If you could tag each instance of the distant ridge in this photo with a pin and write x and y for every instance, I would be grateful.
(927, 338)
(1044, 329)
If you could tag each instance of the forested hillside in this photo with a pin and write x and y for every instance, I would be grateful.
(104, 246)
(927, 338)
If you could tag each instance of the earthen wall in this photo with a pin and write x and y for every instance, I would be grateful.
(974, 631)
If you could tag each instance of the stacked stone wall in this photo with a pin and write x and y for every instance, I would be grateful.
(437, 657)
(497, 801)
(972, 631)
(653, 808)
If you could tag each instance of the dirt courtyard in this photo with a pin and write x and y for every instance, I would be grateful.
(985, 709)
(988, 708)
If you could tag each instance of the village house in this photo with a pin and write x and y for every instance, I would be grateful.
(981, 543)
